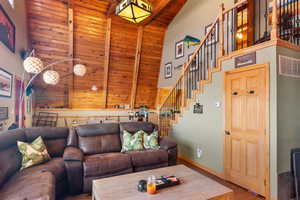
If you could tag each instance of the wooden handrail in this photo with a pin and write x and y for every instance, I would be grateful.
(235, 6)
(274, 31)
(186, 65)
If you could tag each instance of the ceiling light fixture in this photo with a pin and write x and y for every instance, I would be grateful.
(94, 88)
(134, 10)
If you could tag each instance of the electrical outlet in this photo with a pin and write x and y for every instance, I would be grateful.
(199, 152)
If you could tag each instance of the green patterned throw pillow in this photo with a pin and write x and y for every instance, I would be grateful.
(151, 140)
(33, 153)
(132, 142)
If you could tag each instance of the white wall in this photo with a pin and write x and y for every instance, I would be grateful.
(9, 61)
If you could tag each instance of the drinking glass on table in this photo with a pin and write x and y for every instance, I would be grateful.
(151, 186)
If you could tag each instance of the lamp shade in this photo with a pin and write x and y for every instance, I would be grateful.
(134, 10)
(79, 70)
(51, 77)
(33, 65)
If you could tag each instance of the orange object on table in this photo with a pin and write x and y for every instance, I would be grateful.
(151, 188)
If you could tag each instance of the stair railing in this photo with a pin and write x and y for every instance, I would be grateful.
(195, 70)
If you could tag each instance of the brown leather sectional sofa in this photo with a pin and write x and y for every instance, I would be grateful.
(79, 156)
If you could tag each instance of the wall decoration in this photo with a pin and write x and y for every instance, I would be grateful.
(7, 30)
(3, 113)
(214, 35)
(168, 70)
(195, 63)
(179, 49)
(6, 81)
(178, 67)
(244, 60)
(198, 108)
(191, 41)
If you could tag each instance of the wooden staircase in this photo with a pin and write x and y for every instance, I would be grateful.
(196, 72)
(204, 62)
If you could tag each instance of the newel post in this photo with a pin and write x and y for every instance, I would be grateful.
(221, 22)
(274, 31)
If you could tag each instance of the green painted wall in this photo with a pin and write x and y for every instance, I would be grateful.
(12, 62)
(288, 114)
(207, 130)
(191, 20)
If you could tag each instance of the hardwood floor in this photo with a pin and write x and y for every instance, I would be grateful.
(239, 193)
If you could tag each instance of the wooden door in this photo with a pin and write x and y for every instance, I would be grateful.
(246, 157)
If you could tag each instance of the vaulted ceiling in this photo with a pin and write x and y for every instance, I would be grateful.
(122, 58)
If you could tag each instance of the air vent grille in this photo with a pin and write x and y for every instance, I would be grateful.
(289, 66)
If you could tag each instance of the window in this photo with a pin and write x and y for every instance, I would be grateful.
(12, 3)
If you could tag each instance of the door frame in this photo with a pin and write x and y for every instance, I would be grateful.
(266, 66)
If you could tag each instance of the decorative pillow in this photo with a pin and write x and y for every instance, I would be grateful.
(151, 140)
(132, 142)
(34, 153)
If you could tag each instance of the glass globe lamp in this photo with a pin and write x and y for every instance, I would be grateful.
(79, 70)
(33, 65)
(51, 77)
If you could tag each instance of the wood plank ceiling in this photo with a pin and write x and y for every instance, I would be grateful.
(122, 58)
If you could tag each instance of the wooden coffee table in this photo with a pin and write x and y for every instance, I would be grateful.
(195, 186)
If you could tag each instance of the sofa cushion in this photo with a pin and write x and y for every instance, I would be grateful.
(56, 166)
(33, 153)
(132, 142)
(55, 139)
(133, 127)
(10, 157)
(148, 157)
(33, 186)
(107, 163)
(99, 138)
(151, 140)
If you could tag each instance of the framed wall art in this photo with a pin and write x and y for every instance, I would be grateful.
(179, 49)
(6, 82)
(195, 63)
(214, 36)
(3, 113)
(178, 67)
(7, 31)
(168, 70)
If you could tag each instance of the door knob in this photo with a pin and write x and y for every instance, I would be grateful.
(227, 133)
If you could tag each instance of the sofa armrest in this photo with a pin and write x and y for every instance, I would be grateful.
(73, 158)
(171, 148)
(167, 144)
(73, 154)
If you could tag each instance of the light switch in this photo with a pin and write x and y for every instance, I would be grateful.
(218, 104)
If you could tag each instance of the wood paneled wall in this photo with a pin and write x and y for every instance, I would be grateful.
(106, 45)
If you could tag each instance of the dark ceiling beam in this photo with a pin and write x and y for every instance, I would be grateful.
(157, 8)
(112, 7)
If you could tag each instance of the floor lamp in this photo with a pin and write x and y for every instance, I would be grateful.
(34, 65)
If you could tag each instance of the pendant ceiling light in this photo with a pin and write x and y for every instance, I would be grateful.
(134, 10)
